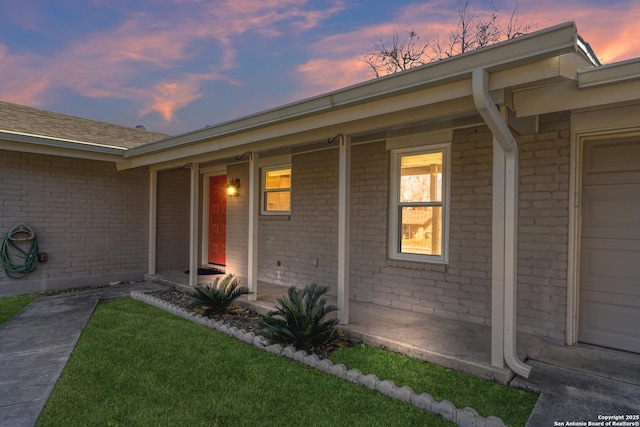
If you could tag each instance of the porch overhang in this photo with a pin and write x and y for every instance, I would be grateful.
(433, 91)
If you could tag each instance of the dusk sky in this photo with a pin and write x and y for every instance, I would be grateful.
(179, 65)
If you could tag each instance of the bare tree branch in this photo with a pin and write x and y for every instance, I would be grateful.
(472, 31)
(403, 54)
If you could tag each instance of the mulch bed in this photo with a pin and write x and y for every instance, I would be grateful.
(239, 317)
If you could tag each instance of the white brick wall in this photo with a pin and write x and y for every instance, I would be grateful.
(89, 218)
(310, 231)
(462, 289)
(237, 220)
(172, 236)
(93, 222)
(458, 291)
(543, 228)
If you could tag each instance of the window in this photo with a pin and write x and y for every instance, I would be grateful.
(419, 193)
(276, 190)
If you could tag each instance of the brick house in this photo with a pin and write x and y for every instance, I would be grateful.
(499, 187)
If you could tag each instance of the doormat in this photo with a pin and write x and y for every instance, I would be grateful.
(207, 271)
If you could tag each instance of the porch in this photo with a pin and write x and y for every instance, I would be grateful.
(450, 343)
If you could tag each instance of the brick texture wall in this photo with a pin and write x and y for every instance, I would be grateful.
(172, 236)
(310, 232)
(460, 290)
(543, 228)
(89, 218)
(237, 220)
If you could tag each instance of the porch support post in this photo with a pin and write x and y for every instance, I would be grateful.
(344, 225)
(254, 204)
(193, 224)
(497, 258)
(153, 216)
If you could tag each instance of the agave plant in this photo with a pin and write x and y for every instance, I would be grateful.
(298, 319)
(219, 295)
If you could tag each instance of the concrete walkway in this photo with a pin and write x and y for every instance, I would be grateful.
(36, 344)
(581, 384)
(569, 396)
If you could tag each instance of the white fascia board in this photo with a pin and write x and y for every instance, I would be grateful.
(527, 49)
(407, 109)
(438, 101)
(565, 96)
(14, 141)
(609, 74)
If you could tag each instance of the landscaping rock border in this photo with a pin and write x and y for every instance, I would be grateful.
(466, 417)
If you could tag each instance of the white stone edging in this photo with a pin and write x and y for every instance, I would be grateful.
(467, 417)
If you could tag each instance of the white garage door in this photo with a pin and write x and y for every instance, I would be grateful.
(610, 246)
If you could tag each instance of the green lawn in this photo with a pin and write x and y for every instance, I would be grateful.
(11, 305)
(136, 365)
(513, 406)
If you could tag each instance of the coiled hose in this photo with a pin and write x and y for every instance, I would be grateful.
(19, 252)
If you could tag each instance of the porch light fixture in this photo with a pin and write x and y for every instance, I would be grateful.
(232, 187)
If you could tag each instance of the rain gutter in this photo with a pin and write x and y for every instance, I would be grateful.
(18, 141)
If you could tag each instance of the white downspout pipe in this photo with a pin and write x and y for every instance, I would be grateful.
(501, 133)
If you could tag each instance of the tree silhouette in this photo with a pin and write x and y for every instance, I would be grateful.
(472, 31)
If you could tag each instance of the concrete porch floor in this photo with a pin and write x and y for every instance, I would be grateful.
(450, 343)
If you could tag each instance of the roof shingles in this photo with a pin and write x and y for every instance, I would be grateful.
(32, 121)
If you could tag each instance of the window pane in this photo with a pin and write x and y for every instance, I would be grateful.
(421, 230)
(421, 178)
(278, 201)
(276, 179)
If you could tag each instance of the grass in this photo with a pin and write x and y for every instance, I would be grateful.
(11, 305)
(136, 365)
(513, 406)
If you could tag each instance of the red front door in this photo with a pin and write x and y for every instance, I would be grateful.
(217, 219)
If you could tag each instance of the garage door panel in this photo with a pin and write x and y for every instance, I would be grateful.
(610, 320)
(611, 211)
(610, 244)
(611, 266)
(611, 161)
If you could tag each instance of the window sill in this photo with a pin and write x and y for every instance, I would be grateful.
(415, 265)
(273, 217)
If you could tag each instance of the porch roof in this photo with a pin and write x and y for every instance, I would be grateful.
(434, 91)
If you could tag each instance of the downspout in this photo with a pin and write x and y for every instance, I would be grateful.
(493, 119)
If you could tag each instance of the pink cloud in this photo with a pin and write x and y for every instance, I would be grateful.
(336, 60)
(611, 28)
(145, 57)
(339, 73)
(168, 97)
(112, 63)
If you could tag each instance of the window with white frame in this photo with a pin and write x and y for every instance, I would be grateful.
(419, 203)
(276, 190)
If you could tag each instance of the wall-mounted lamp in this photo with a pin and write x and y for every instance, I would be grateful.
(232, 187)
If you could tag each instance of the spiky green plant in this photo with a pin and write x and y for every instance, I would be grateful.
(219, 295)
(298, 319)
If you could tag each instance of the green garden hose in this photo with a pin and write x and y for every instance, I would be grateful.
(19, 252)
